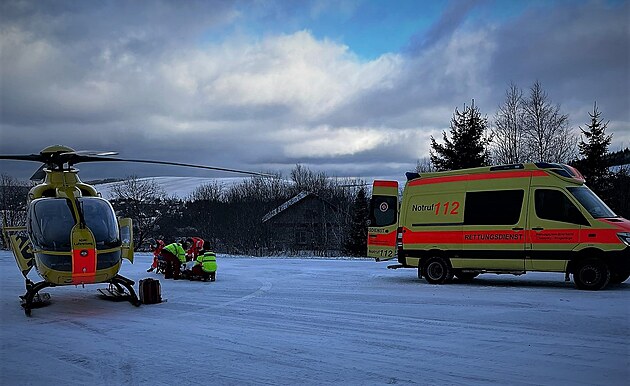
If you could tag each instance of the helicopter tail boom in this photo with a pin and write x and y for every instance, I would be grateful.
(20, 246)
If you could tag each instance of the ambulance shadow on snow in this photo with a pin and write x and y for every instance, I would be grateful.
(524, 282)
(490, 280)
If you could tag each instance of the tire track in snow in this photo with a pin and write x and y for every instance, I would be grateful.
(184, 308)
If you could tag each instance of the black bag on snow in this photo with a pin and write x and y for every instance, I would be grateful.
(150, 291)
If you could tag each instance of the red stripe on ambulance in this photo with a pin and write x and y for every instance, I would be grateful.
(386, 184)
(384, 239)
(552, 236)
(477, 177)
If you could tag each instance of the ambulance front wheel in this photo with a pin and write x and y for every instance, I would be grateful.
(591, 274)
(437, 270)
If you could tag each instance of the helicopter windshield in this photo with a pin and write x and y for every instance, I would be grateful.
(101, 219)
(50, 223)
(51, 220)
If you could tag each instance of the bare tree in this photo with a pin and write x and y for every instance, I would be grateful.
(547, 133)
(139, 199)
(424, 165)
(212, 191)
(12, 202)
(508, 146)
(309, 181)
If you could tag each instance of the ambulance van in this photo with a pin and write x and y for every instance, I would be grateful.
(508, 219)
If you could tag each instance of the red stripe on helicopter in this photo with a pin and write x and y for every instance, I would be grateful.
(83, 266)
(477, 177)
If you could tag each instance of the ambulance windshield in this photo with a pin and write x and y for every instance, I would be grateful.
(593, 204)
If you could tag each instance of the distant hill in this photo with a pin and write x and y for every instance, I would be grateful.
(179, 187)
(103, 181)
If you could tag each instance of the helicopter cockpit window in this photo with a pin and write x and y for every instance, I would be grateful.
(50, 223)
(101, 219)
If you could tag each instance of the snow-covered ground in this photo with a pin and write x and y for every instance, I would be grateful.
(308, 321)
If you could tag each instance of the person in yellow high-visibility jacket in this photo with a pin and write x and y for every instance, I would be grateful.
(206, 264)
(175, 256)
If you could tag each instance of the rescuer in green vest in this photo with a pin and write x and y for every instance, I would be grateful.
(206, 264)
(175, 255)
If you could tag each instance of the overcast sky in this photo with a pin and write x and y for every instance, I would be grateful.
(352, 88)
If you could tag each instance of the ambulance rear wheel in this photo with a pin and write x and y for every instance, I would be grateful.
(591, 274)
(437, 270)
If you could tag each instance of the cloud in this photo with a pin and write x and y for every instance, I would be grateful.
(180, 82)
(580, 54)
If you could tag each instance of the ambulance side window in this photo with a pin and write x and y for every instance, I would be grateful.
(496, 207)
(555, 205)
(383, 211)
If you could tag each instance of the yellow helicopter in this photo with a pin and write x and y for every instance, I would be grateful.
(72, 235)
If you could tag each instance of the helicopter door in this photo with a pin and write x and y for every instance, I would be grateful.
(126, 236)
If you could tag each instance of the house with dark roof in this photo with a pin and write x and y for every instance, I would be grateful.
(306, 224)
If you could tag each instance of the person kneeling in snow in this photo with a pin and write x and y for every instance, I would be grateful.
(205, 266)
(156, 247)
(175, 256)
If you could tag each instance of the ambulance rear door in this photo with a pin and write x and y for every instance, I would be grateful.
(383, 220)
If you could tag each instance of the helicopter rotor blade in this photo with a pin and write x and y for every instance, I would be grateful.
(74, 157)
(24, 157)
(93, 153)
(353, 185)
(192, 166)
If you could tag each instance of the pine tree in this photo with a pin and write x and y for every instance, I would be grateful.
(594, 147)
(468, 145)
(356, 244)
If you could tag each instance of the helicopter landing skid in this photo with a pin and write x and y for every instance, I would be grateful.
(117, 293)
(32, 298)
(39, 300)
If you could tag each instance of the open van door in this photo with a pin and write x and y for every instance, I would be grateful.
(383, 220)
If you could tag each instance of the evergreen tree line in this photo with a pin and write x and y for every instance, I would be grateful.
(530, 128)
